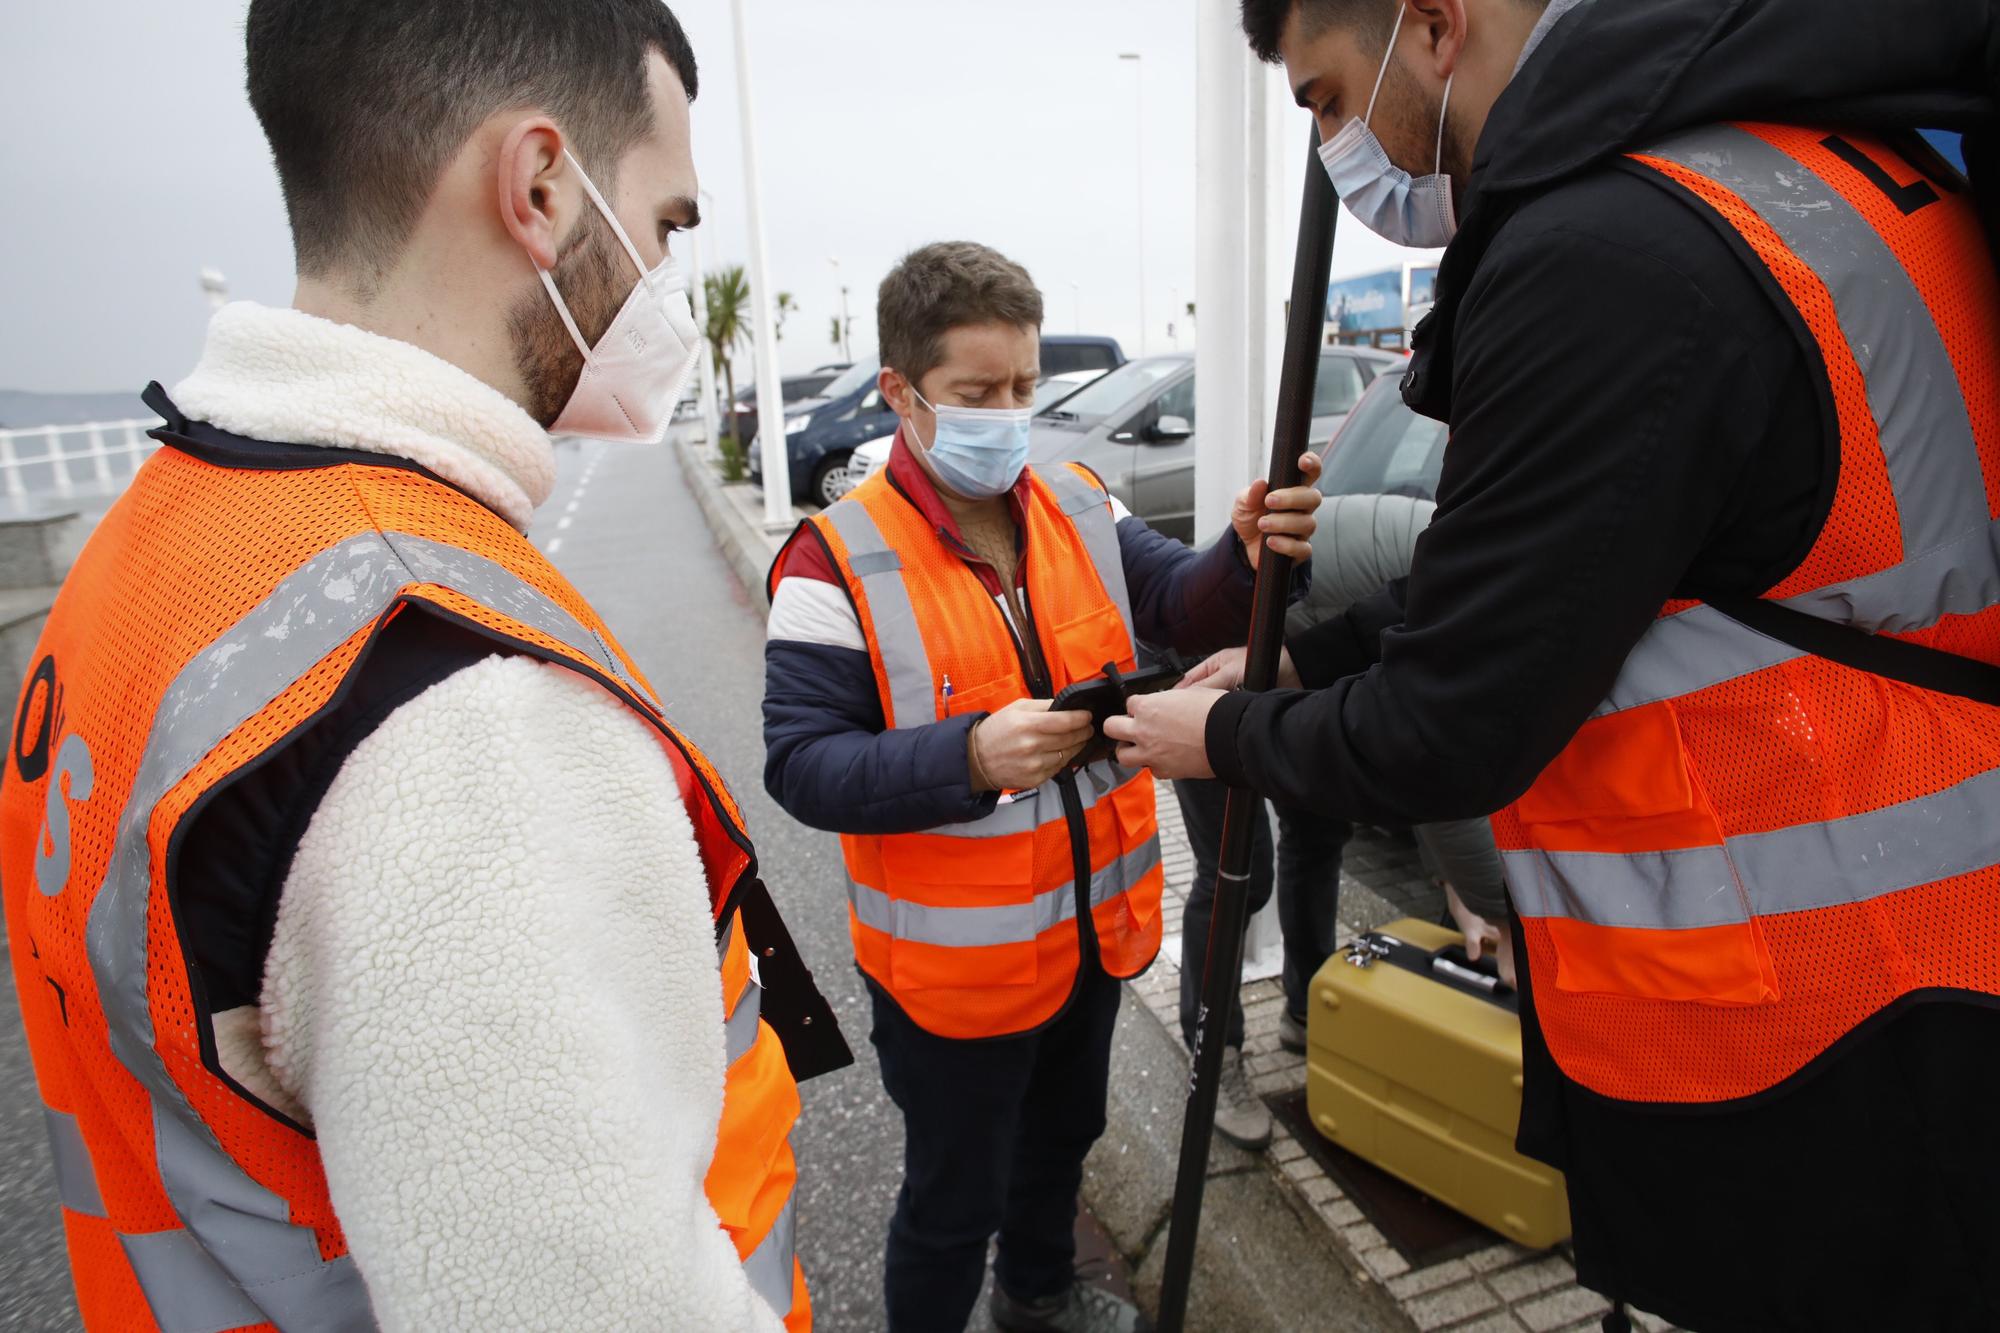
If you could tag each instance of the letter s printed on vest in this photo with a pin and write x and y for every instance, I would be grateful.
(52, 848)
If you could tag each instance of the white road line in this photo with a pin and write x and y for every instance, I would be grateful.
(564, 522)
(555, 544)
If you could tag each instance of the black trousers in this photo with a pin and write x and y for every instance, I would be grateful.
(994, 1137)
(1307, 866)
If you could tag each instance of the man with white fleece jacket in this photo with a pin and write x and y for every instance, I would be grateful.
(384, 951)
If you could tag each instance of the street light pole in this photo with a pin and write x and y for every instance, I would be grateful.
(845, 354)
(770, 390)
(1139, 170)
(698, 292)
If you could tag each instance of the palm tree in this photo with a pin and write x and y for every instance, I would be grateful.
(787, 303)
(728, 292)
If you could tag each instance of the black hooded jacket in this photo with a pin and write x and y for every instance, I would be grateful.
(1634, 418)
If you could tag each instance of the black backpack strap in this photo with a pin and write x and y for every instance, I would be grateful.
(1878, 654)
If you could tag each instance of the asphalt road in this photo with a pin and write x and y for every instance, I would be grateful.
(622, 526)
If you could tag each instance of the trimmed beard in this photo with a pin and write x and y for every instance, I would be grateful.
(589, 273)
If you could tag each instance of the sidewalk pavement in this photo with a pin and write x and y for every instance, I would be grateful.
(1283, 1246)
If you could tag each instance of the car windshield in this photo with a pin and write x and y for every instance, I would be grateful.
(1050, 392)
(1101, 397)
(854, 377)
(1338, 385)
(1385, 449)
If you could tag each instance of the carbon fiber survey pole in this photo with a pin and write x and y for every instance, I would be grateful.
(1303, 326)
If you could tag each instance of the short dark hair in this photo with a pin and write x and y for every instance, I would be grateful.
(945, 286)
(1371, 20)
(1264, 20)
(364, 102)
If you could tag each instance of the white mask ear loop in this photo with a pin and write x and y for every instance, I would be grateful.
(562, 309)
(610, 217)
(555, 297)
(1437, 164)
(1382, 73)
(913, 418)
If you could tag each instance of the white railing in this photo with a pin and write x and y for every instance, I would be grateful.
(38, 460)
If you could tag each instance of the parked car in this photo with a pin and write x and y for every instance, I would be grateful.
(799, 390)
(1064, 353)
(1383, 448)
(821, 436)
(1135, 427)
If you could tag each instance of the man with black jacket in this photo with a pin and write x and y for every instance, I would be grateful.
(1670, 402)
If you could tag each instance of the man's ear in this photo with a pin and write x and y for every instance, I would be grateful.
(1443, 25)
(896, 392)
(536, 187)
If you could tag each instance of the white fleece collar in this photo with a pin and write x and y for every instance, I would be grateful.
(293, 378)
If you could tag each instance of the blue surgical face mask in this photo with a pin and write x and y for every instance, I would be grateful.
(977, 451)
(1378, 192)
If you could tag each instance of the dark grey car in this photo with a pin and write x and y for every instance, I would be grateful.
(1135, 427)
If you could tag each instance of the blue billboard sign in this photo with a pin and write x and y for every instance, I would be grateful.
(1366, 304)
(1423, 284)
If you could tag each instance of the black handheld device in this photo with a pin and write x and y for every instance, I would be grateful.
(1104, 698)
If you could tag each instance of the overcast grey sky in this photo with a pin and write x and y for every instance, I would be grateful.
(882, 124)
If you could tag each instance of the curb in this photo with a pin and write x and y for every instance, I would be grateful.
(745, 545)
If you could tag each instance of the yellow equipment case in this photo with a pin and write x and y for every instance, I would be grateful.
(1413, 1062)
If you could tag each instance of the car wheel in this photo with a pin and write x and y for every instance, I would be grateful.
(829, 479)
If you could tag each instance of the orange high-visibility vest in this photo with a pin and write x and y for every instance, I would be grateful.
(977, 930)
(1747, 851)
(214, 611)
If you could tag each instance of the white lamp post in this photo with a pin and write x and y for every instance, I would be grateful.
(1139, 169)
(845, 354)
(770, 387)
(698, 290)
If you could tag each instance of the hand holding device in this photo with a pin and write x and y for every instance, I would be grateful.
(1105, 698)
(1028, 742)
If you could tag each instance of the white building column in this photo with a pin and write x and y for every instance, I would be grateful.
(1221, 273)
(763, 309)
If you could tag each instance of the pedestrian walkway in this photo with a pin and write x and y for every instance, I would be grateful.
(1484, 1284)
(1493, 1286)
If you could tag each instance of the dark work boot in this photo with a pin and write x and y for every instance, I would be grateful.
(1081, 1309)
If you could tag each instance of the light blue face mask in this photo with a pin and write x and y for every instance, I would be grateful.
(977, 451)
(1381, 194)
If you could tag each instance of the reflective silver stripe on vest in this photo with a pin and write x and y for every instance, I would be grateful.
(1691, 651)
(234, 1225)
(1794, 869)
(187, 1289)
(1012, 923)
(740, 1028)
(1030, 810)
(76, 1178)
(1951, 562)
(1960, 578)
(770, 1265)
(492, 586)
(1913, 388)
(912, 692)
(1090, 510)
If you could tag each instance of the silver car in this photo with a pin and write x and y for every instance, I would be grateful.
(1135, 427)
